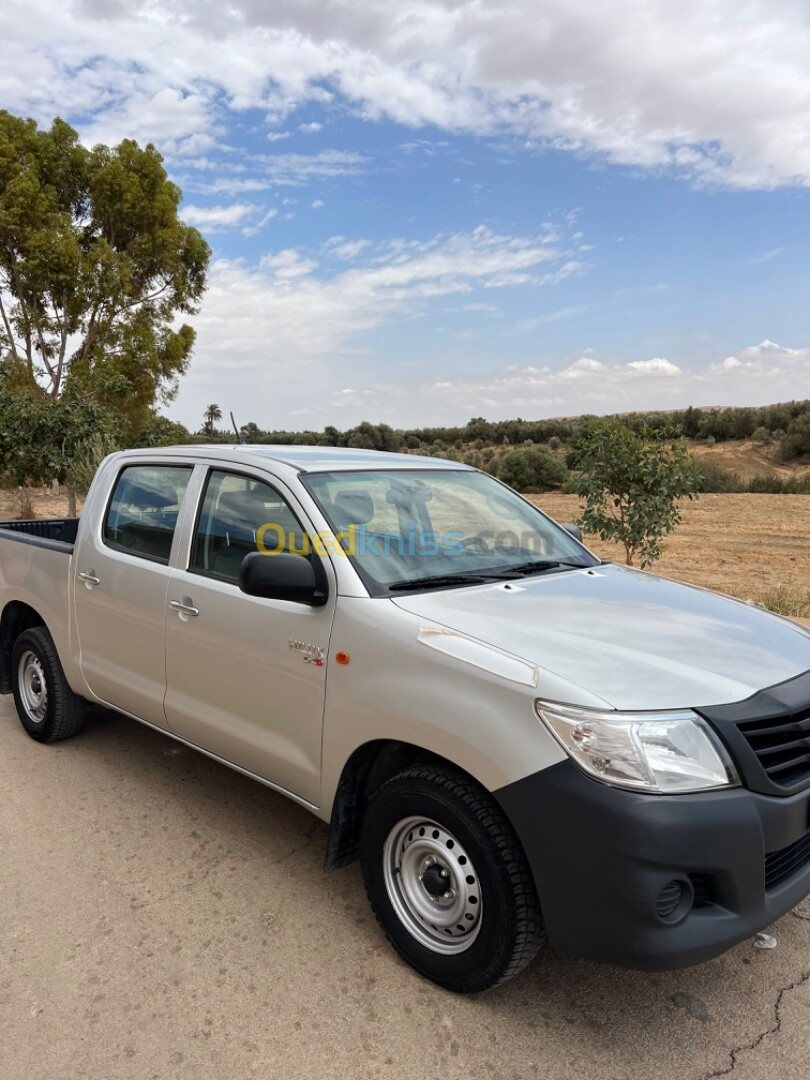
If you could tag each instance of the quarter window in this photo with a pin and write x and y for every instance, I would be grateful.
(239, 515)
(142, 515)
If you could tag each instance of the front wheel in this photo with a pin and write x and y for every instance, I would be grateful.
(448, 880)
(47, 707)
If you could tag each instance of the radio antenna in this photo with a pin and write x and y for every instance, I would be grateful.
(239, 438)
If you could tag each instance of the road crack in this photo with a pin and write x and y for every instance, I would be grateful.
(308, 839)
(736, 1052)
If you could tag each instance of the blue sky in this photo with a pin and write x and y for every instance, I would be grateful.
(426, 211)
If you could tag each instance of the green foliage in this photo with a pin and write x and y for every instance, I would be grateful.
(531, 469)
(764, 484)
(160, 431)
(43, 440)
(796, 441)
(95, 264)
(631, 483)
(711, 477)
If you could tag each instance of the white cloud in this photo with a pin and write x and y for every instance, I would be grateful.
(310, 129)
(318, 204)
(764, 257)
(768, 372)
(277, 136)
(293, 170)
(287, 325)
(217, 218)
(718, 93)
(657, 366)
(345, 249)
(583, 368)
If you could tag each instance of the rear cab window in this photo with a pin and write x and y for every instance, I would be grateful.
(141, 518)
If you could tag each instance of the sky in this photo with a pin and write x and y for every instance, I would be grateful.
(423, 211)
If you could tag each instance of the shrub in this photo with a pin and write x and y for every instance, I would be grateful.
(532, 468)
(767, 484)
(712, 477)
(790, 600)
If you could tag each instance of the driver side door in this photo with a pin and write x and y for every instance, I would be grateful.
(237, 685)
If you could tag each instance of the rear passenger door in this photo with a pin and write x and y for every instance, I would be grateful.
(246, 676)
(122, 568)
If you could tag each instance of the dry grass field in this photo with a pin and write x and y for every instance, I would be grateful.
(756, 547)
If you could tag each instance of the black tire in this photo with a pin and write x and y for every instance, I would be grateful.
(491, 926)
(47, 707)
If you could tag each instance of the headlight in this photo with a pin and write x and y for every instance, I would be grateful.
(659, 752)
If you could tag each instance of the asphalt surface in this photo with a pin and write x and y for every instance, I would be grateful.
(162, 916)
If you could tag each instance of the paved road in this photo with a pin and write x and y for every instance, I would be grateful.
(162, 917)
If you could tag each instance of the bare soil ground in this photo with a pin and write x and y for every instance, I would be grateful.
(748, 459)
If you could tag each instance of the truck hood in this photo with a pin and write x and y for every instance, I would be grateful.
(631, 639)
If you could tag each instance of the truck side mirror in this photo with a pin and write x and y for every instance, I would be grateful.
(575, 531)
(280, 577)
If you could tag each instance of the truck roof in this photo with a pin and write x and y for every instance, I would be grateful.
(308, 458)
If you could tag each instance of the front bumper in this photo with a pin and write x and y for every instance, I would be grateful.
(601, 855)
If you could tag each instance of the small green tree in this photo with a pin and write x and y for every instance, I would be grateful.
(631, 483)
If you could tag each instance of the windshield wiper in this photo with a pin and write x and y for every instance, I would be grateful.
(442, 581)
(538, 566)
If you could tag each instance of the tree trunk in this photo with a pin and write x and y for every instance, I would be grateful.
(71, 497)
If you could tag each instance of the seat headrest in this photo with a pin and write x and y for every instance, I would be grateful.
(241, 504)
(353, 507)
(409, 493)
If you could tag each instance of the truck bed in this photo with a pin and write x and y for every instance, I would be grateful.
(54, 533)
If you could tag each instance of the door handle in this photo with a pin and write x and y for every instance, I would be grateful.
(183, 608)
(89, 577)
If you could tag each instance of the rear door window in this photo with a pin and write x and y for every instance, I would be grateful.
(142, 515)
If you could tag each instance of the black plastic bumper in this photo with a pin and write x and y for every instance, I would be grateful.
(600, 857)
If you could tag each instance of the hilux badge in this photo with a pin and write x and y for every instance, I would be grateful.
(313, 654)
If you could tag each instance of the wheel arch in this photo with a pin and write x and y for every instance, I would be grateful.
(17, 617)
(369, 766)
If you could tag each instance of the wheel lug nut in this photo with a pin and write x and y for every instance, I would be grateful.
(448, 895)
(444, 873)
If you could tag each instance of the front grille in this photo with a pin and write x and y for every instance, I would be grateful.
(782, 746)
(768, 736)
(780, 865)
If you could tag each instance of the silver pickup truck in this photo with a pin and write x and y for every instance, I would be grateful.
(519, 741)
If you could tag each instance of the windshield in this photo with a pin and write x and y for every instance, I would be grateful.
(407, 527)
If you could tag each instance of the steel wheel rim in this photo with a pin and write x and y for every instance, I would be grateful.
(420, 855)
(33, 686)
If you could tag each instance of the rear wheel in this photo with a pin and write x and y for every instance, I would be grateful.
(47, 707)
(448, 880)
